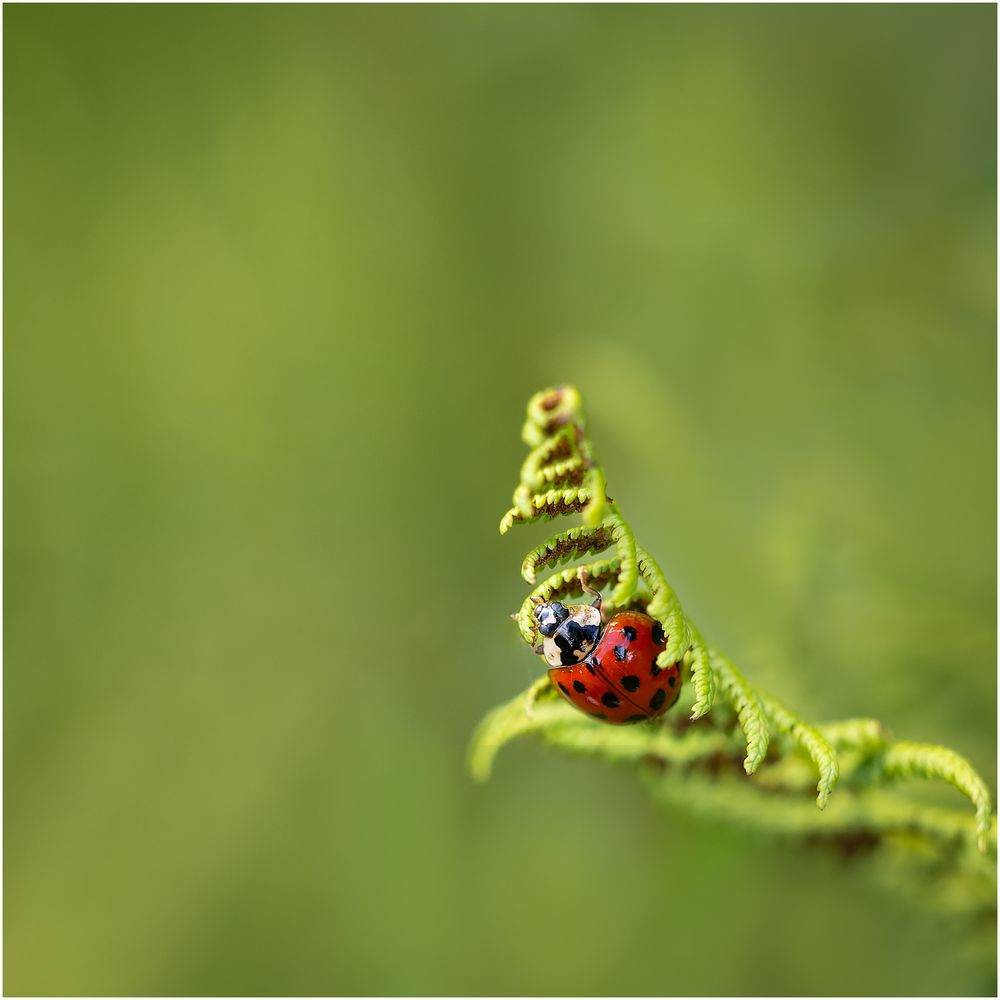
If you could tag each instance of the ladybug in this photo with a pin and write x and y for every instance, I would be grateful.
(611, 672)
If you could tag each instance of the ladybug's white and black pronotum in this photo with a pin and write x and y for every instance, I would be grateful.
(609, 672)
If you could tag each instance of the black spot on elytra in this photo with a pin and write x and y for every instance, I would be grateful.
(597, 715)
(580, 686)
(630, 683)
(620, 653)
(562, 687)
(629, 633)
(655, 669)
(658, 637)
(610, 699)
(637, 718)
(657, 700)
(673, 681)
(589, 665)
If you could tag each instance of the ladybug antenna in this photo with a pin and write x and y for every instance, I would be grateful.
(596, 594)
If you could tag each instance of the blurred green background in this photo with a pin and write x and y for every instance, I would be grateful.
(278, 285)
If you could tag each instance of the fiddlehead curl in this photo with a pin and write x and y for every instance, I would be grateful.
(782, 752)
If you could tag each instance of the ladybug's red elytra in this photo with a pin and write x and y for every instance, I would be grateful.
(611, 672)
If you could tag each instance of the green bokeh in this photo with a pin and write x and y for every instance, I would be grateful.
(278, 284)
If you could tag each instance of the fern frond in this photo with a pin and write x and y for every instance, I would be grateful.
(665, 608)
(856, 734)
(701, 673)
(565, 547)
(628, 573)
(744, 700)
(503, 724)
(697, 765)
(546, 506)
(922, 760)
(647, 745)
(864, 818)
(811, 740)
(569, 471)
(549, 410)
(541, 689)
(562, 445)
(561, 725)
(583, 541)
(596, 487)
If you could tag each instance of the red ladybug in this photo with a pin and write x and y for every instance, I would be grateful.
(612, 674)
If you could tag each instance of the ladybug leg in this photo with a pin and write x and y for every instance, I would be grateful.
(539, 649)
(589, 590)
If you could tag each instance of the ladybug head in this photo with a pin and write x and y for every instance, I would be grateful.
(550, 616)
